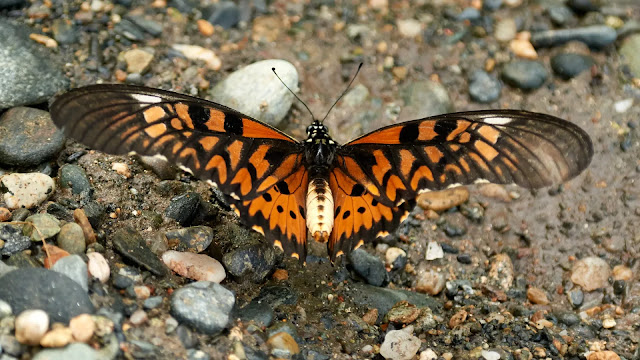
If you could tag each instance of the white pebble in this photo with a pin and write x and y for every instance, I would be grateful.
(409, 27)
(393, 253)
(194, 52)
(194, 266)
(434, 251)
(138, 317)
(121, 168)
(98, 267)
(428, 355)
(490, 355)
(399, 345)
(30, 326)
(623, 105)
(27, 190)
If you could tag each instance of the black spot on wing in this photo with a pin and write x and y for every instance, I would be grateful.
(361, 210)
(357, 190)
(233, 124)
(346, 214)
(409, 133)
(338, 209)
(280, 209)
(267, 197)
(293, 215)
(199, 116)
(283, 188)
(444, 128)
(301, 209)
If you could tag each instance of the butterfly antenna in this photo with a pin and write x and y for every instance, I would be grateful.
(294, 94)
(344, 92)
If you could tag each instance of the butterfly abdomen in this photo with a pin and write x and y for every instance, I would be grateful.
(319, 209)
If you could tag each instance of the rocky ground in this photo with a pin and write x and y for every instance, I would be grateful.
(493, 272)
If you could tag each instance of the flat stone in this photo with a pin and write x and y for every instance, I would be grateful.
(596, 36)
(194, 239)
(132, 246)
(29, 137)
(48, 226)
(194, 266)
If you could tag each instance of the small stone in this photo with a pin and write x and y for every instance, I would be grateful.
(130, 244)
(138, 317)
(98, 267)
(560, 14)
(596, 36)
(623, 106)
(64, 32)
(402, 313)
(153, 302)
(490, 355)
(71, 238)
(434, 251)
(409, 28)
(608, 323)
(193, 239)
(568, 65)
(371, 316)
(141, 292)
(258, 312)
(5, 214)
(5, 308)
(464, 258)
(183, 208)
(205, 28)
(81, 219)
(122, 169)
(505, 30)
(203, 305)
(537, 296)
(57, 337)
(282, 344)
(458, 318)
(71, 352)
(73, 267)
(12, 241)
(428, 354)
(26, 190)
(591, 273)
(501, 271)
(270, 101)
(524, 74)
(444, 199)
(75, 178)
(30, 326)
(430, 282)
(603, 355)
(484, 88)
(369, 267)
(194, 266)
(280, 275)
(622, 272)
(195, 52)
(138, 60)
(522, 48)
(54, 254)
(425, 98)
(224, 13)
(43, 40)
(630, 53)
(82, 327)
(29, 137)
(576, 297)
(392, 254)
(41, 226)
(399, 345)
(495, 191)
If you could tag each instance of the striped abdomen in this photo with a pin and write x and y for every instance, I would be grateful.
(319, 209)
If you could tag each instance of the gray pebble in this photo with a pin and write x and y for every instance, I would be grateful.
(560, 14)
(269, 101)
(224, 13)
(277, 295)
(469, 13)
(384, 299)
(28, 74)
(491, 5)
(75, 178)
(64, 32)
(71, 238)
(370, 267)
(524, 74)
(630, 52)
(194, 239)
(14, 241)
(596, 36)
(259, 312)
(183, 208)
(75, 268)
(576, 297)
(11, 347)
(425, 98)
(129, 30)
(484, 88)
(132, 246)
(29, 137)
(569, 65)
(251, 262)
(149, 26)
(47, 225)
(203, 305)
(152, 302)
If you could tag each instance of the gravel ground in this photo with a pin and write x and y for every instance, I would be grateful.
(498, 273)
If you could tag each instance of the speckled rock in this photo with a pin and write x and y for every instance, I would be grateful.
(26, 190)
(29, 137)
(591, 273)
(203, 305)
(269, 101)
(400, 344)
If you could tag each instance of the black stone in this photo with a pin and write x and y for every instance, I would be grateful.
(369, 267)
(74, 177)
(464, 258)
(252, 262)
(568, 65)
(51, 291)
(257, 311)
(132, 246)
(183, 208)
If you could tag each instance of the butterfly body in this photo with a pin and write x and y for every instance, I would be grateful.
(341, 194)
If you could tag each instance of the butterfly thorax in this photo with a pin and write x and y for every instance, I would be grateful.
(320, 150)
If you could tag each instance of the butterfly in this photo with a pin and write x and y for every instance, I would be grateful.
(344, 195)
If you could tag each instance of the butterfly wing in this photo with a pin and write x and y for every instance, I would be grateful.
(393, 164)
(245, 158)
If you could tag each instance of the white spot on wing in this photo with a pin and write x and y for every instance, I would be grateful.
(497, 120)
(185, 169)
(454, 185)
(146, 99)
(234, 196)
(481, 181)
(212, 183)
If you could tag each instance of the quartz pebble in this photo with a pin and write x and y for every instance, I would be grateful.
(30, 326)
(82, 327)
(194, 266)
(591, 273)
(195, 52)
(27, 190)
(98, 267)
(400, 344)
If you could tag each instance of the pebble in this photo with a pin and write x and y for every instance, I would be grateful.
(501, 271)
(490, 355)
(132, 246)
(71, 238)
(138, 317)
(484, 88)
(251, 262)
(36, 288)
(129, 30)
(596, 36)
(203, 305)
(53, 255)
(434, 251)
(505, 29)
(80, 216)
(523, 48)
(14, 241)
(26, 190)
(270, 101)
(5, 214)
(495, 191)
(82, 327)
(591, 273)
(623, 106)
(199, 53)
(560, 14)
(64, 32)
(603, 355)
(277, 295)
(152, 302)
(283, 345)
(74, 177)
(30, 326)
(430, 282)
(5, 309)
(444, 199)
(47, 226)
(622, 272)
(383, 299)
(368, 266)
(569, 65)
(224, 13)
(194, 266)
(29, 137)
(183, 208)
(194, 239)
(98, 267)
(57, 337)
(575, 297)
(469, 13)
(392, 254)
(428, 354)
(75, 268)
(400, 344)
(537, 296)
(75, 351)
(402, 313)
(464, 258)
(205, 28)
(524, 74)
(27, 74)
(630, 52)
(425, 98)
(409, 28)
(149, 26)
